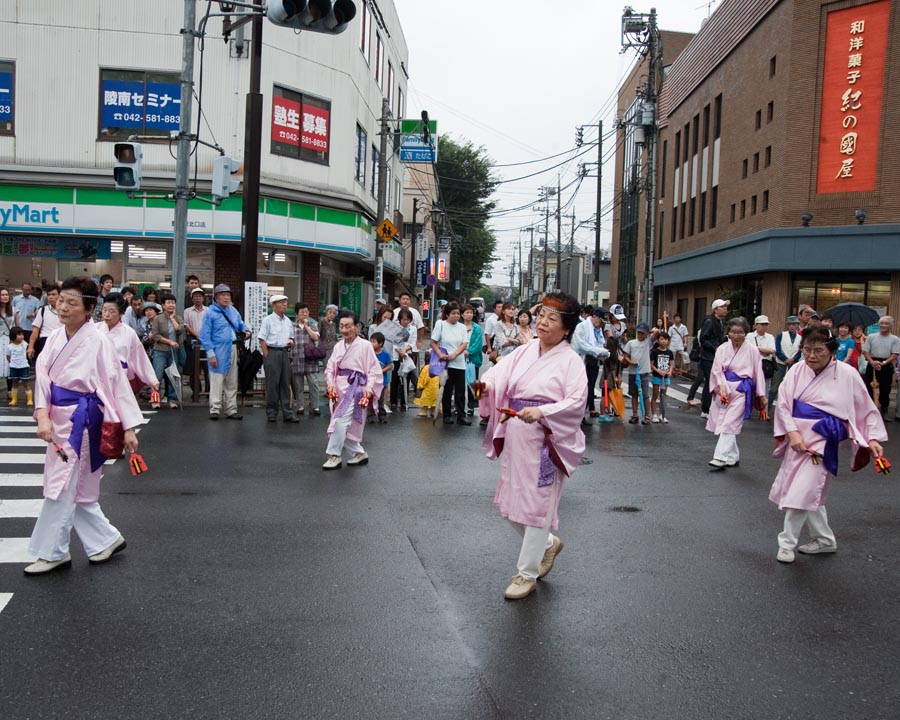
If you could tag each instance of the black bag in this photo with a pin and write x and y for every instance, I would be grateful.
(768, 367)
(311, 351)
(695, 352)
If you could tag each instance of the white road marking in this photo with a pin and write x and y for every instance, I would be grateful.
(21, 480)
(17, 430)
(4, 600)
(16, 419)
(21, 459)
(15, 550)
(20, 508)
(18, 442)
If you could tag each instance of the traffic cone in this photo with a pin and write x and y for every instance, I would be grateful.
(13, 397)
(29, 398)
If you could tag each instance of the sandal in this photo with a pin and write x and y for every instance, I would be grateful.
(634, 420)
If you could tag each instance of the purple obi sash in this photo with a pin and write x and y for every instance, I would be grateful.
(547, 473)
(88, 416)
(746, 386)
(829, 427)
(357, 382)
(124, 364)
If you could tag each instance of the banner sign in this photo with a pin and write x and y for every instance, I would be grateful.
(351, 295)
(852, 89)
(413, 148)
(421, 272)
(6, 97)
(256, 307)
(300, 125)
(71, 248)
(132, 104)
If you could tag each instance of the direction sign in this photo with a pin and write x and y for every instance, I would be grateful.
(386, 230)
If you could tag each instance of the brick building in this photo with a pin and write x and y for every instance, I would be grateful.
(778, 181)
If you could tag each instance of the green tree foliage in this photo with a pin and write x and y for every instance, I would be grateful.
(466, 184)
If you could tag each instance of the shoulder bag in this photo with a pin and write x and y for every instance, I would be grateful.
(768, 364)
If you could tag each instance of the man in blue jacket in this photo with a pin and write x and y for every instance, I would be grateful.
(222, 329)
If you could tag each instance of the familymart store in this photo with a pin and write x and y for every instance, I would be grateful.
(49, 233)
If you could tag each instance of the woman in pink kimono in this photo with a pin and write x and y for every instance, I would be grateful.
(79, 386)
(128, 345)
(736, 378)
(821, 402)
(534, 402)
(352, 375)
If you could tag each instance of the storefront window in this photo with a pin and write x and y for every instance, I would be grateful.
(824, 294)
(149, 254)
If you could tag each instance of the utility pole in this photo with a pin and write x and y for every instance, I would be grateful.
(546, 194)
(597, 219)
(521, 274)
(649, 122)
(183, 163)
(252, 158)
(382, 195)
(412, 245)
(557, 283)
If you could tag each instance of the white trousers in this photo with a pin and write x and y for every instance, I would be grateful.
(535, 541)
(727, 449)
(223, 388)
(794, 520)
(338, 441)
(53, 529)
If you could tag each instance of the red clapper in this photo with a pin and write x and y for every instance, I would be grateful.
(137, 464)
(506, 414)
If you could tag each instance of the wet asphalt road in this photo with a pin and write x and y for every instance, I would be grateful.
(255, 585)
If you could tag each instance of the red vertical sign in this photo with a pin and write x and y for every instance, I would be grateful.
(285, 121)
(852, 89)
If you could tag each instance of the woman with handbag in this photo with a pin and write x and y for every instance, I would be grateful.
(306, 359)
(82, 405)
(736, 383)
(167, 336)
(128, 345)
(45, 322)
(7, 321)
(474, 353)
(449, 341)
(506, 333)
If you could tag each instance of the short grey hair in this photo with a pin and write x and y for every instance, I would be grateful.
(331, 307)
(739, 322)
(886, 318)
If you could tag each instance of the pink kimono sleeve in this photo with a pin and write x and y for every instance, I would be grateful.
(717, 374)
(563, 418)
(115, 390)
(784, 421)
(865, 422)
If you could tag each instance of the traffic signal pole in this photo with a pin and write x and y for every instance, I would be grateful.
(183, 163)
(382, 196)
(252, 154)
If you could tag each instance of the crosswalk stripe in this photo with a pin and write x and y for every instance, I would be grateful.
(17, 419)
(16, 429)
(21, 459)
(20, 508)
(15, 550)
(21, 480)
(4, 600)
(17, 442)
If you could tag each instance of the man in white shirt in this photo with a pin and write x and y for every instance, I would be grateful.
(406, 302)
(589, 342)
(25, 307)
(678, 333)
(490, 325)
(276, 338)
(765, 343)
(45, 323)
(193, 321)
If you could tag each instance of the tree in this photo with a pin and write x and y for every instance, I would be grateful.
(466, 184)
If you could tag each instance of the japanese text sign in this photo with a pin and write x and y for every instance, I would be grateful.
(6, 97)
(134, 104)
(297, 125)
(852, 89)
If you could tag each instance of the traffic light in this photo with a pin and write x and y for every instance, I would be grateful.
(127, 170)
(323, 16)
(426, 310)
(222, 183)
(579, 136)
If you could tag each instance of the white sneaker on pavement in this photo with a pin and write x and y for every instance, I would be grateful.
(39, 567)
(332, 463)
(360, 458)
(704, 416)
(102, 557)
(784, 555)
(816, 547)
(655, 419)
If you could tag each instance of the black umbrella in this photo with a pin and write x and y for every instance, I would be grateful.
(853, 313)
(249, 364)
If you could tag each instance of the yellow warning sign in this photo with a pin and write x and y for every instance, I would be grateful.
(386, 230)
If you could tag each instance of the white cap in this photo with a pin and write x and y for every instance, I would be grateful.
(618, 312)
(719, 303)
(761, 320)
(277, 298)
(380, 300)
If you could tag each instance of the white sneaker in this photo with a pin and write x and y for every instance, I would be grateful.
(816, 547)
(784, 555)
(655, 419)
(717, 463)
(693, 403)
(360, 458)
(388, 410)
(664, 421)
(102, 557)
(39, 567)
(332, 463)
(704, 416)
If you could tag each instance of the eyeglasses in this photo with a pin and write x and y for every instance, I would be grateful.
(817, 350)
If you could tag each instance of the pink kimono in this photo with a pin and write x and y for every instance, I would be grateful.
(352, 370)
(131, 353)
(740, 375)
(838, 391)
(81, 379)
(534, 456)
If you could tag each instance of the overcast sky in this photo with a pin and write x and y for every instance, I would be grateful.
(516, 78)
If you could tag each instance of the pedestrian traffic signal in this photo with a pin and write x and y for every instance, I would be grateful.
(426, 310)
(127, 170)
(222, 182)
(323, 16)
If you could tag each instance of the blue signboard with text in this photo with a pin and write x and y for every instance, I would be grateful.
(132, 104)
(6, 97)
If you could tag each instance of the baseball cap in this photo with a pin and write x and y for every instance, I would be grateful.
(816, 315)
(599, 312)
(220, 288)
(761, 320)
(380, 300)
(277, 298)
(643, 327)
(198, 290)
(792, 319)
(618, 312)
(719, 303)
